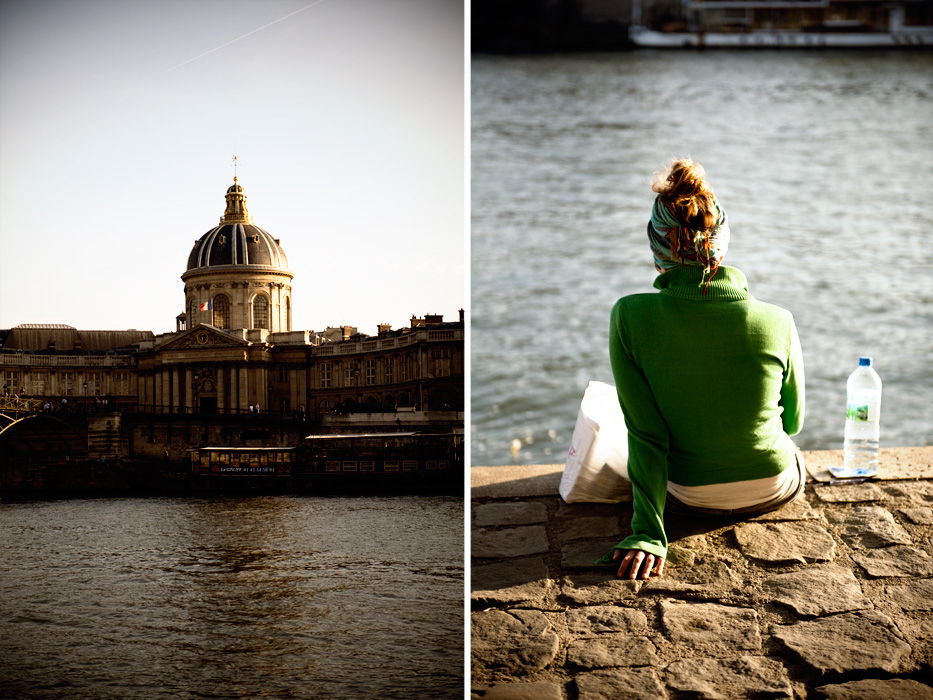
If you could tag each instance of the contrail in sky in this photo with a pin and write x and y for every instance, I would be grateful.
(233, 41)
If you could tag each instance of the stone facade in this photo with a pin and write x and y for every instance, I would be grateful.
(234, 348)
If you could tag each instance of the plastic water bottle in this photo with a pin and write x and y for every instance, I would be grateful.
(863, 422)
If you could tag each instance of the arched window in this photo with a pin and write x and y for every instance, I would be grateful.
(260, 312)
(221, 311)
(288, 314)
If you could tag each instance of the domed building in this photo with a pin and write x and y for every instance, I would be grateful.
(234, 353)
(237, 274)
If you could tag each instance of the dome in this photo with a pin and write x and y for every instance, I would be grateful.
(236, 240)
(237, 244)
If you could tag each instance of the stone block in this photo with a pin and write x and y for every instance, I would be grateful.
(600, 619)
(511, 581)
(897, 491)
(629, 683)
(522, 691)
(517, 513)
(729, 679)
(511, 542)
(713, 628)
(598, 589)
(855, 641)
(514, 641)
(612, 650)
(521, 481)
(795, 510)
(869, 527)
(914, 595)
(571, 511)
(711, 577)
(801, 542)
(904, 562)
(591, 527)
(818, 590)
(584, 554)
(919, 516)
(874, 689)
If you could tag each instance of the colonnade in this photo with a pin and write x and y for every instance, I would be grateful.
(178, 388)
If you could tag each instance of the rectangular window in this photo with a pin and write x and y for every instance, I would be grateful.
(38, 384)
(68, 384)
(390, 375)
(367, 466)
(370, 372)
(325, 375)
(332, 466)
(11, 380)
(441, 357)
(403, 369)
(348, 375)
(93, 383)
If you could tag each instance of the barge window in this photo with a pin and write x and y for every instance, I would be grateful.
(444, 464)
(367, 466)
(391, 465)
(410, 464)
(430, 465)
(349, 466)
(332, 466)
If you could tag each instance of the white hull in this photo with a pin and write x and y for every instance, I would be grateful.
(919, 36)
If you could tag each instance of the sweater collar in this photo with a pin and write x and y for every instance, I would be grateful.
(729, 284)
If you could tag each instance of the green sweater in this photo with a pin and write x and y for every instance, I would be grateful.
(711, 387)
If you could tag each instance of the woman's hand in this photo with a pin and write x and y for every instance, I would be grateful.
(636, 561)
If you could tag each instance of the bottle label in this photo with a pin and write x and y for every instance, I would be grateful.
(863, 407)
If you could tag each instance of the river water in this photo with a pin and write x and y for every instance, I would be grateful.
(823, 160)
(265, 597)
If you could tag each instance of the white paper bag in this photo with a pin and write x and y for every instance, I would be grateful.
(596, 469)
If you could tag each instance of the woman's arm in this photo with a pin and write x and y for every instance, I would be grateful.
(648, 440)
(792, 389)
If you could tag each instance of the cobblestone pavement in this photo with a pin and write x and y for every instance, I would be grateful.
(831, 597)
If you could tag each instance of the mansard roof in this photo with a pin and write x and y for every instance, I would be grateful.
(41, 337)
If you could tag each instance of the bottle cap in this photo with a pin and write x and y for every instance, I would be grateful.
(864, 362)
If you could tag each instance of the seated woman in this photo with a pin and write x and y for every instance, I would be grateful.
(710, 379)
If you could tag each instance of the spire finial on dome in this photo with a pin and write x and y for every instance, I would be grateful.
(236, 212)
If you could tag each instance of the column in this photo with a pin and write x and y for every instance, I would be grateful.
(295, 383)
(189, 390)
(221, 389)
(161, 389)
(243, 398)
(176, 395)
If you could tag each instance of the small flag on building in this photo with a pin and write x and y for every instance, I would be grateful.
(206, 306)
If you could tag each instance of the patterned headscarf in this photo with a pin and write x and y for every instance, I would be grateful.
(673, 244)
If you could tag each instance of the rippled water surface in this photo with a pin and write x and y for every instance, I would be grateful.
(272, 597)
(823, 161)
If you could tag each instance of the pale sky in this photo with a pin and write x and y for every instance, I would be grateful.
(119, 120)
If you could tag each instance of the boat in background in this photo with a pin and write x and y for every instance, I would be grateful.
(406, 461)
(783, 24)
(346, 463)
